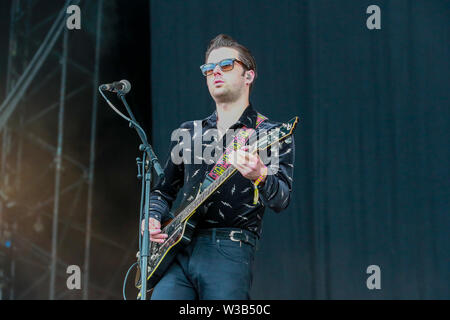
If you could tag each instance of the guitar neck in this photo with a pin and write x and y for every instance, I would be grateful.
(211, 189)
(260, 144)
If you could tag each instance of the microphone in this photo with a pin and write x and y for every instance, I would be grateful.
(122, 85)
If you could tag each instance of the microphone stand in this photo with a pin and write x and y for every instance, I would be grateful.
(147, 151)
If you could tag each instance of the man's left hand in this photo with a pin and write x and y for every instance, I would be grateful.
(249, 165)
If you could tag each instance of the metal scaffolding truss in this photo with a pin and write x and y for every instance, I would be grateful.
(32, 66)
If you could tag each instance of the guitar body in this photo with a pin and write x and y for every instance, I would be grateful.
(180, 234)
(182, 238)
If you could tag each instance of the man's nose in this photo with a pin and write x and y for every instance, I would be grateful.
(217, 70)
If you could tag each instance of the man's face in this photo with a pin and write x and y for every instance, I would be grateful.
(226, 86)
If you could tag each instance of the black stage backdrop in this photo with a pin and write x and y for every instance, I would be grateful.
(372, 150)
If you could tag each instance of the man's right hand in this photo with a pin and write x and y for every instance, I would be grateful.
(155, 230)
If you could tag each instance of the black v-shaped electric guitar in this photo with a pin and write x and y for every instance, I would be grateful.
(181, 229)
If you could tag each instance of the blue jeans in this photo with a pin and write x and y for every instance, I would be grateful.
(209, 269)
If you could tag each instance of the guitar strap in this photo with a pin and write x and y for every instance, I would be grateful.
(238, 142)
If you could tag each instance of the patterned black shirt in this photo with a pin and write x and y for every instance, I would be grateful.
(232, 204)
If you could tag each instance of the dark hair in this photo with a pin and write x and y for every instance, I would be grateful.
(223, 40)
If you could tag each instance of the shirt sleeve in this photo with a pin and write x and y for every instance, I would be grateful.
(165, 191)
(275, 193)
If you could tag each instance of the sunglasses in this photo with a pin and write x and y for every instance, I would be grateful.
(224, 65)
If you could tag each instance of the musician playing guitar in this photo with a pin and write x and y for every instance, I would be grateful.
(217, 264)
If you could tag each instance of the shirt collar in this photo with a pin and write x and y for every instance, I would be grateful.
(248, 119)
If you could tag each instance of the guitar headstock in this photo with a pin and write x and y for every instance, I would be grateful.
(278, 134)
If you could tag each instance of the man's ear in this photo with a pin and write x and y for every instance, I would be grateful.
(250, 76)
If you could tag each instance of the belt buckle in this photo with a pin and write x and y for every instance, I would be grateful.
(232, 233)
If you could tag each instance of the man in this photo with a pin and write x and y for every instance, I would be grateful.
(218, 263)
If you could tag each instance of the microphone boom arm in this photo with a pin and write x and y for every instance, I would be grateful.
(133, 124)
(145, 146)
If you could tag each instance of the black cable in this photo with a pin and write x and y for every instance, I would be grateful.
(134, 123)
(141, 209)
(125, 280)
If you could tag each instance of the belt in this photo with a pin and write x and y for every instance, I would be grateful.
(238, 235)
